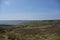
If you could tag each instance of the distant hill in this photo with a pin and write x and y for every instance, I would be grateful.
(36, 23)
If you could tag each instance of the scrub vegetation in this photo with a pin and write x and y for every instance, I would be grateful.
(32, 30)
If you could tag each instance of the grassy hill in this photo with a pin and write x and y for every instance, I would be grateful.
(33, 30)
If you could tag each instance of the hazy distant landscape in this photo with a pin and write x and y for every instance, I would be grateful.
(12, 22)
(30, 30)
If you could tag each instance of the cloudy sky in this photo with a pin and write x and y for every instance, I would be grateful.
(29, 9)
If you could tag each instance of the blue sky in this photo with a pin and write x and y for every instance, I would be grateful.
(29, 9)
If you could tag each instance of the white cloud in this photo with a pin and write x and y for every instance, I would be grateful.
(6, 2)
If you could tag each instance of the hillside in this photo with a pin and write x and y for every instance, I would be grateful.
(33, 30)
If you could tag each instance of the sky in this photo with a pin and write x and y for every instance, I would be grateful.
(29, 9)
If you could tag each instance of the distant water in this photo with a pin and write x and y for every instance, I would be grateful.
(12, 22)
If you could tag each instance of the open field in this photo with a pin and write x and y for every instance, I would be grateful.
(32, 30)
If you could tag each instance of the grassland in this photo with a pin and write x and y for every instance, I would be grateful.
(33, 30)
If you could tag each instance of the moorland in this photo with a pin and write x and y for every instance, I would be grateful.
(32, 30)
